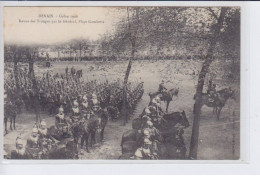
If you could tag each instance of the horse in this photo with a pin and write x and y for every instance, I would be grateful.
(96, 123)
(219, 101)
(165, 96)
(89, 128)
(166, 128)
(169, 120)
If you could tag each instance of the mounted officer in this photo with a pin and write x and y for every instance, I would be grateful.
(162, 89)
(145, 152)
(75, 112)
(61, 123)
(153, 132)
(155, 115)
(212, 93)
(85, 105)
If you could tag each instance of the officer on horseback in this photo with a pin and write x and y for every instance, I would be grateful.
(153, 132)
(212, 93)
(61, 123)
(145, 152)
(75, 112)
(85, 105)
(162, 89)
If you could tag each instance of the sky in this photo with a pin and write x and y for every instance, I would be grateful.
(46, 25)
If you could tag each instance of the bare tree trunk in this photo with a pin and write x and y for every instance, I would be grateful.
(36, 102)
(202, 75)
(132, 38)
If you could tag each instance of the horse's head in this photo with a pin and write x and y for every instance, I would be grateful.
(184, 120)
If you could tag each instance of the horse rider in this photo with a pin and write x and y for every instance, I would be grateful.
(145, 152)
(153, 132)
(209, 86)
(155, 116)
(212, 93)
(75, 112)
(156, 102)
(33, 140)
(60, 118)
(162, 89)
(61, 123)
(20, 151)
(85, 105)
(94, 100)
(43, 129)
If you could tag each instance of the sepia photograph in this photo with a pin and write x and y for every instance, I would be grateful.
(121, 83)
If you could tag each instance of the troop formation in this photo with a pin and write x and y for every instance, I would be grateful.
(81, 108)
(153, 130)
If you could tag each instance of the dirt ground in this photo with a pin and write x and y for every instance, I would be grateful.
(218, 139)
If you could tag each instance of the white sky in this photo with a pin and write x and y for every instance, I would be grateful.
(40, 33)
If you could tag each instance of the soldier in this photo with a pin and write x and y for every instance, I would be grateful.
(146, 112)
(153, 132)
(85, 105)
(60, 121)
(209, 86)
(43, 129)
(145, 151)
(33, 140)
(94, 100)
(75, 112)
(154, 115)
(162, 89)
(20, 151)
(212, 93)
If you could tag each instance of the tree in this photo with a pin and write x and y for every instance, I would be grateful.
(216, 31)
(14, 53)
(132, 35)
(31, 54)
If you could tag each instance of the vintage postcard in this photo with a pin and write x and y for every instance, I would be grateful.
(121, 83)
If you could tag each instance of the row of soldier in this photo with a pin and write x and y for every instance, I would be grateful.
(151, 117)
(59, 89)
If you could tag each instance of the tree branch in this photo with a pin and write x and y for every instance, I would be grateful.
(213, 13)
